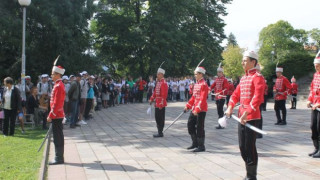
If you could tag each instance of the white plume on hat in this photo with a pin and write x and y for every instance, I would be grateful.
(160, 70)
(220, 69)
(278, 69)
(200, 70)
(317, 59)
(58, 68)
(251, 54)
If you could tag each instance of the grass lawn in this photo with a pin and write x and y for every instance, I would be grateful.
(18, 154)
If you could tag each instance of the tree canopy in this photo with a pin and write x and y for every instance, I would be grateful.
(53, 28)
(232, 58)
(138, 35)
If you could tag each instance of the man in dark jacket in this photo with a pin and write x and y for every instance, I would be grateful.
(74, 96)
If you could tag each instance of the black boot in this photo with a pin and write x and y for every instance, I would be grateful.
(283, 122)
(317, 154)
(316, 147)
(160, 134)
(278, 122)
(219, 127)
(58, 159)
(251, 172)
(201, 146)
(194, 142)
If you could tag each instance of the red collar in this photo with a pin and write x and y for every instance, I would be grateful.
(251, 71)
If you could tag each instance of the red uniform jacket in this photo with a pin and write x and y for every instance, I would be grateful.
(266, 90)
(190, 89)
(250, 93)
(282, 88)
(314, 95)
(230, 88)
(57, 100)
(220, 86)
(160, 94)
(198, 101)
(294, 89)
(141, 84)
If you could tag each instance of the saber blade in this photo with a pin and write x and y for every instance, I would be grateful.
(174, 121)
(249, 126)
(47, 136)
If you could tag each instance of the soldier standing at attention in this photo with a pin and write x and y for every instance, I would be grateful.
(220, 87)
(56, 114)
(199, 106)
(249, 93)
(281, 90)
(160, 97)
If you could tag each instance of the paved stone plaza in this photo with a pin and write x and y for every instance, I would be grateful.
(118, 145)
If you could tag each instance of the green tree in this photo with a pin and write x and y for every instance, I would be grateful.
(285, 38)
(232, 40)
(315, 35)
(232, 58)
(52, 28)
(138, 35)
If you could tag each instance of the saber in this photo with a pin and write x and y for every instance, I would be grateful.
(249, 125)
(218, 94)
(175, 120)
(318, 109)
(47, 136)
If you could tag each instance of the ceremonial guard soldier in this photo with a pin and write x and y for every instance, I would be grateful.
(314, 102)
(160, 97)
(281, 90)
(294, 93)
(220, 87)
(250, 94)
(56, 114)
(198, 105)
(230, 90)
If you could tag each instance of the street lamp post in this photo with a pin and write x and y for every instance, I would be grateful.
(24, 4)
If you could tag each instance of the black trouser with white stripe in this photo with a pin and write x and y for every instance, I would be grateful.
(160, 115)
(247, 143)
(280, 105)
(196, 124)
(315, 125)
(58, 137)
(220, 104)
(294, 101)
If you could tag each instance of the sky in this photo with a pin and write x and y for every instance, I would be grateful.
(246, 18)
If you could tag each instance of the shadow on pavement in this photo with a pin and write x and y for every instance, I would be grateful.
(97, 165)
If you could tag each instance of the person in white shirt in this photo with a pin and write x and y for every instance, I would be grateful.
(83, 95)
(174, 86)
(151, 85)
(66, 107)
(182, 88)
(44, 86)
